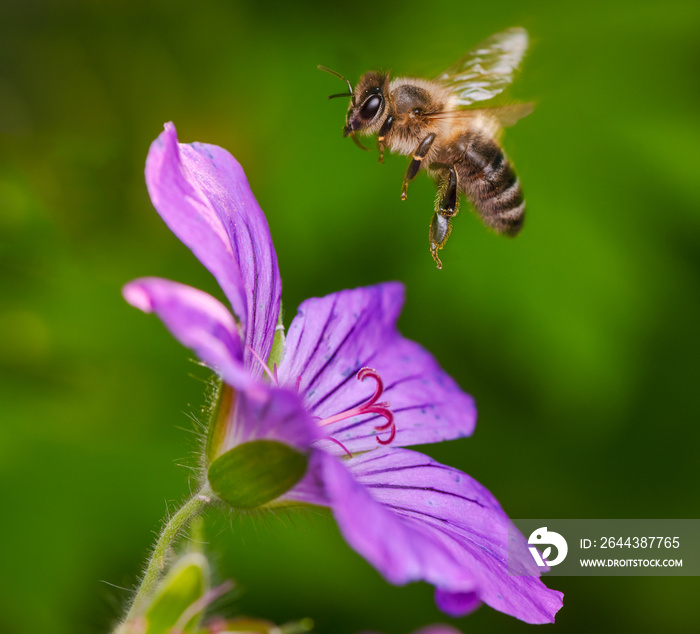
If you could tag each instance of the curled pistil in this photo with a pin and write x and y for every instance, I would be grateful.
(371, 406)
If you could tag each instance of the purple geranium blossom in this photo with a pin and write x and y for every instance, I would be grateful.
(409, 516)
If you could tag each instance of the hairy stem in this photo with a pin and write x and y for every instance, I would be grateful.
(172, 530)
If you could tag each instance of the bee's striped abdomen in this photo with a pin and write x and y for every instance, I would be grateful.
(489, 181)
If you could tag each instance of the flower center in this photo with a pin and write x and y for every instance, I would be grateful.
(371, 406)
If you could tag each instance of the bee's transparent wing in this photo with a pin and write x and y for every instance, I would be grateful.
(487, 69)
(505, 115)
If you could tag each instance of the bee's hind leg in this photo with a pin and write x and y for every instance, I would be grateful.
(446, 207)
(385, 129)
(418, 155)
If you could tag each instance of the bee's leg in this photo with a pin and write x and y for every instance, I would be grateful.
(440, 229)
(446, 207)
(418, 155)
(447, 201)
(383, 131)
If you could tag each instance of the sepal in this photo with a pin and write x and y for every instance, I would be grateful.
(223, 402)
(256, 472)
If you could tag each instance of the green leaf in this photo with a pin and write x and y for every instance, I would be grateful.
(256, 472)
(183, 585)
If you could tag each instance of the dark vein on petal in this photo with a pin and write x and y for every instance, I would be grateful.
(365, 460)
(335, 352)
(367, 362)
(420, 514)
(287, 359)
(463, 533)
(417, 516)
(252, 321)
(428, 465)
(301, 335)
(364, 364)
(289, 356)
(310, 358)
(417, 488)
(455, 532)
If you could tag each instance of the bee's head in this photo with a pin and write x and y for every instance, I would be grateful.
(367, 104)
(366, 111)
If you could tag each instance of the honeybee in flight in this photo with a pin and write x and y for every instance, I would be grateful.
(459, 147)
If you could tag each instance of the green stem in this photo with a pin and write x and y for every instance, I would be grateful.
(176, 524)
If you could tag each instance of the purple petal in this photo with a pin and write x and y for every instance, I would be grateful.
(202, 194)
(457, 603)
(401, 550)
(197, 320)
(278, 415)
(414, 518)
(333, 337)
(312, 488)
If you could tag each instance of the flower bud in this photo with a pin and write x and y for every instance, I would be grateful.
(170, 608)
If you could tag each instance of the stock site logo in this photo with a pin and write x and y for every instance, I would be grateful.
(543, 536)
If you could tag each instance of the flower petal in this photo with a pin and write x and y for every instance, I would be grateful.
(197, 320)
(268, 413)
(333, 337)
(414, 518)
(401, 550)
(202, 194)
(457, 603)
(311, 489)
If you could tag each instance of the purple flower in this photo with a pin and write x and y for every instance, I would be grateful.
(409, 516)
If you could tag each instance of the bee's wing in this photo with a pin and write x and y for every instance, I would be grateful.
(505, 115)
(487, 69)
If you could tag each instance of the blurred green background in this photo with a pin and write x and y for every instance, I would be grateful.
(579, 339)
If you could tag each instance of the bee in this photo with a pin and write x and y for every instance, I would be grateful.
(459, 147)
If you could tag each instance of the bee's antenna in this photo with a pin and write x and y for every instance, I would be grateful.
(339, 76)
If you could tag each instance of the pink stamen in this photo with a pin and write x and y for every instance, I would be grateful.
(273, 377)
(369, 407)
(363, 374)
(342, 446)
(392, 433)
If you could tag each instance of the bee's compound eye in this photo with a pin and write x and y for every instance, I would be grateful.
(369, 108)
